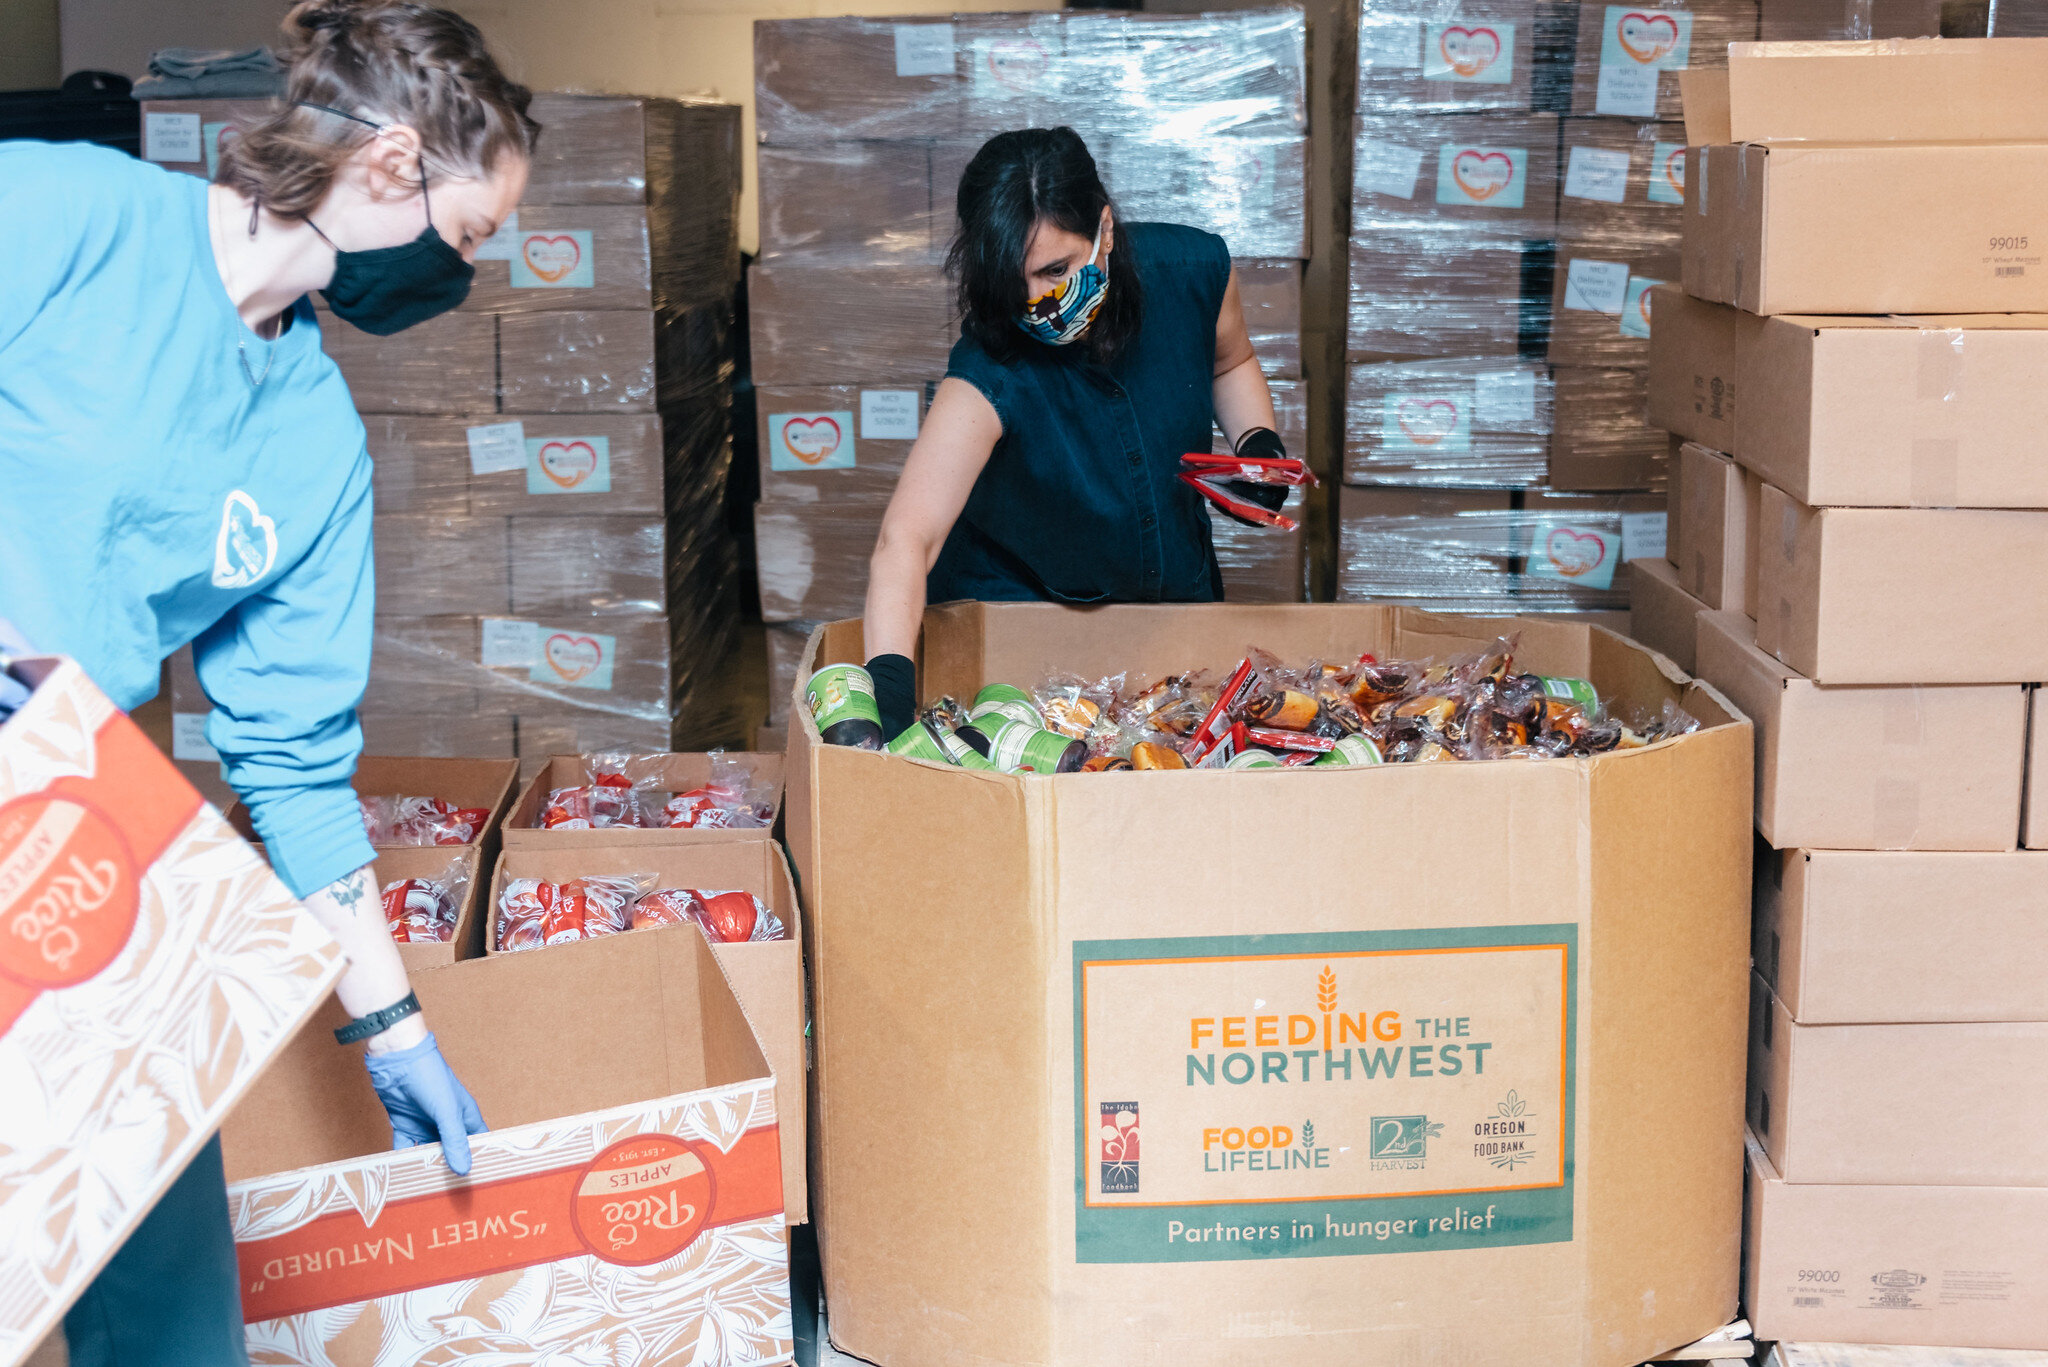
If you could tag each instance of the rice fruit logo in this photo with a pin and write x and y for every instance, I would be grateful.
(68, 898)
(1018, 64)
(1468, 51)
(1674, 170)
(568, 463)
(573, 657)
(1482, 174)
(1119, 1136)
(811, 440)
(643, 1200)
(1428, 421)
(551, 257)
(1647, 38)
(1574, 554)
(1328, 1045)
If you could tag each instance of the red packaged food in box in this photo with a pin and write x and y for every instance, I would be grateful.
(401, 820)
(532, 913)
(727, 917)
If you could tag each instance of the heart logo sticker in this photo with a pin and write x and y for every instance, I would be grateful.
(568, 463)
(1428, 421)
(811, 440)
(1468, 51)
(1574, 555)
(1480, 174)
(246, 546)
(1018, 64)
(1643, 307)
(1647, 37)
(1674, 171)
(551, 258)
(573, 657)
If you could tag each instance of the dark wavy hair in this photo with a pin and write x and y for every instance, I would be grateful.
(1015, 182)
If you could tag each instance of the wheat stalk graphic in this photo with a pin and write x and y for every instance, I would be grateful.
(1326, 989)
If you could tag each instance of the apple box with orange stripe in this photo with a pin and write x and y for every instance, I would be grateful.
(1384, 1063)
(150, 967)
(626, 1205)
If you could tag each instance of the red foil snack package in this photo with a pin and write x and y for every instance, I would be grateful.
(419, 911)
(532, 913)
(608, 800)
(727, 917)
(401, 820)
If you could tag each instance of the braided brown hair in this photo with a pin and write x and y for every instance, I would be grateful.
(387, 62)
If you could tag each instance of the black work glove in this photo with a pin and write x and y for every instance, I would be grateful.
(895, 693)
(1261, 443)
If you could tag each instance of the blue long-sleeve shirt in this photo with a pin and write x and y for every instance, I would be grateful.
(168, 476)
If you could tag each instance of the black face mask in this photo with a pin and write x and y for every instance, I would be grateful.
(389, 289)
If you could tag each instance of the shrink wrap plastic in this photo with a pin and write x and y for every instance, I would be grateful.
(1478, 423)
(1472, 551)
(964, 77)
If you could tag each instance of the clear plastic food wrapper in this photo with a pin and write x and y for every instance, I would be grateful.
(1271, 713)
(608, 799)
(726, 917)
(422, 910)
(533, 912)
(401, 820)
(734, 799)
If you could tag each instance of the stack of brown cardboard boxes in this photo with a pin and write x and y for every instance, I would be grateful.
(1482, 224)
(865, 127)
(553, 573)
(1862, 529)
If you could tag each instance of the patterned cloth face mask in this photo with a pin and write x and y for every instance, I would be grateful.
(1063, 313)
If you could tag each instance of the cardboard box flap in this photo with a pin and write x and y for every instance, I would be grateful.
(1889, 90)
(1705, 93)
(533, 1036)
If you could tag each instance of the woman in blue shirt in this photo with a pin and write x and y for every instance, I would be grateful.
(1093, 355)
(180, 461)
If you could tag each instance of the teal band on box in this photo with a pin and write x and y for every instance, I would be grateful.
(377, 1022)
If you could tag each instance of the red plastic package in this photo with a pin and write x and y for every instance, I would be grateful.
(419, 911)
(727, 917)
(532, 913)
(402, 820)
(608, 800)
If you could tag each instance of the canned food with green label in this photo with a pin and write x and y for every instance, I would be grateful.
(1018, 748)
(1353, 750)
(842, 702)
(1578, 691)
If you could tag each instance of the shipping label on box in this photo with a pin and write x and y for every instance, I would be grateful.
(568, 465)
(1597, 173)
(1478, 54)
(1494, 177)
(812, 441)
(1438, 1111)
(648, 1233)
(151, 966)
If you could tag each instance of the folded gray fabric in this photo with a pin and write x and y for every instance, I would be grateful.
(190, 73)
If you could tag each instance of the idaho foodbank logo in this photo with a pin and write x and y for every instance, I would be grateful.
(1401, 1142)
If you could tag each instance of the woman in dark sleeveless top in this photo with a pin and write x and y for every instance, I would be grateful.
(1093, 354)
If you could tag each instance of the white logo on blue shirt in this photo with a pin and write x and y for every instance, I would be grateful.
(247, 545)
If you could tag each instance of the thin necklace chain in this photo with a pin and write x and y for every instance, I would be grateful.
(241, 342)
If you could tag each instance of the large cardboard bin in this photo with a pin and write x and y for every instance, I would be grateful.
(1430, 1063)
(626, 1206)
(151, 966)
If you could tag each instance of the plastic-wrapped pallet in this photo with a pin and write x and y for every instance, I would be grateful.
(1603, 440)
(1621, 178)
(1629, 58)
(1816, 21)
(1488, 550)
(1476, 422)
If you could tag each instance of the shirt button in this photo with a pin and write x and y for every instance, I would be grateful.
(1148, 520)
(1134, 462)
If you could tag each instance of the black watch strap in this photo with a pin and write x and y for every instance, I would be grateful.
(377, 1022)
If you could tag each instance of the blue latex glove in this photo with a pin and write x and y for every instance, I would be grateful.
(425, 1101)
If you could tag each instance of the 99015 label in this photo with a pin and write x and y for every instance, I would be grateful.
(1324, 1095)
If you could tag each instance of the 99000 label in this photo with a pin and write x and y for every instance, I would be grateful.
(1323, 1095)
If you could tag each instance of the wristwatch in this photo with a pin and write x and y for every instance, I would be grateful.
(377, 1022)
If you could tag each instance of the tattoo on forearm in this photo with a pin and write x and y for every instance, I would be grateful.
(348, 893)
